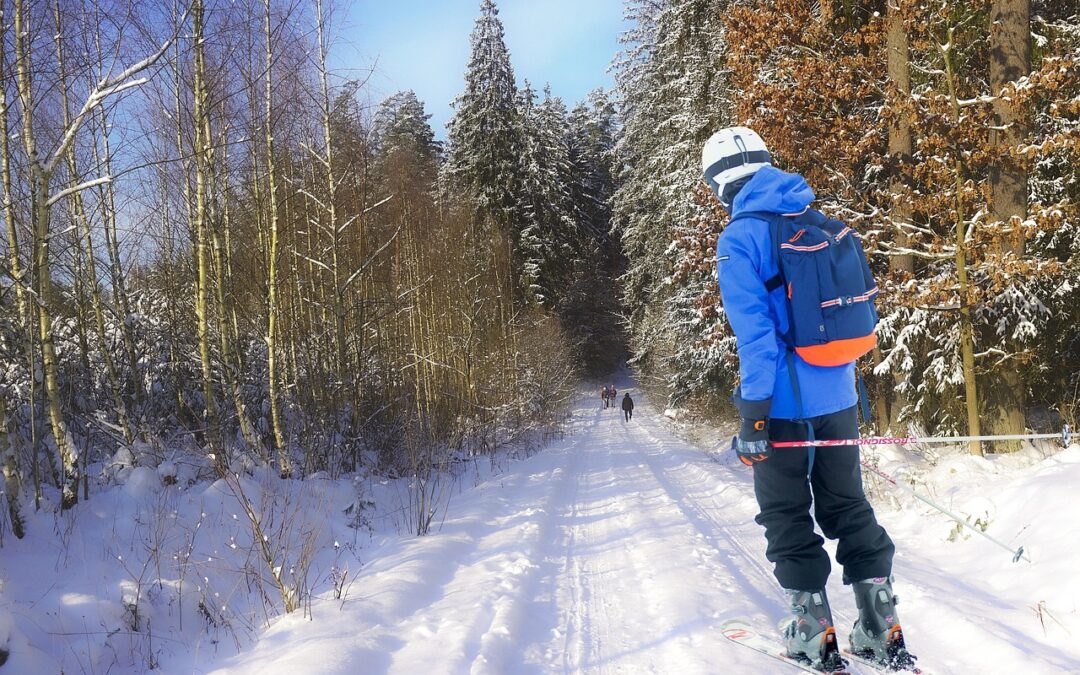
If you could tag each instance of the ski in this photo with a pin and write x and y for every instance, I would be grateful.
(741, 632)
(878, 667)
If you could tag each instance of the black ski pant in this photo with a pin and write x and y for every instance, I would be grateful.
(785, 492)
(628, 414)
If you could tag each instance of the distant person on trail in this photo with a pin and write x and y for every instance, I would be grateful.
(614, 394)
(604, 396)
(627, 407)
(781, 396)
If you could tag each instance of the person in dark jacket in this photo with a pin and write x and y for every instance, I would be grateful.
(737, 166)
(627, 407)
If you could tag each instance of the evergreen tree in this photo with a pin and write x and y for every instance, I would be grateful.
(550, 238)
(591, 144)
(556, 178)
(589, 307)
(672, 86)
(401, 126)
(484, 136)
(533, 251)
(1054, 192)
(541, 185)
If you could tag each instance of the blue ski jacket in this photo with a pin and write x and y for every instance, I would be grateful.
(746, 259)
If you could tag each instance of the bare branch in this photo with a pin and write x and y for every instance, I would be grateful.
(77, 188)
(105, 88)
(311, 260)
(370, 259)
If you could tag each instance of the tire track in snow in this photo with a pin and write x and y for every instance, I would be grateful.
(599, 584)
(710, 528)
(589, 569)
(633, 579)
(498, 644)
(624, 598)
(448, 634)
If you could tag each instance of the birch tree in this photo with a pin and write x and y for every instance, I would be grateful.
(284, 465)
(43, 163)
(202, 229)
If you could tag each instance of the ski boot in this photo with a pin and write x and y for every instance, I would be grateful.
(876, 634)
(809, 634)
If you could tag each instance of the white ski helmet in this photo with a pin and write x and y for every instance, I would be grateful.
(731, 154)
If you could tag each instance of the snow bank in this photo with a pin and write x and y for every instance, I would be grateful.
(153, 573)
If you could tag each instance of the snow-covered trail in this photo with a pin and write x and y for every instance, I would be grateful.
(618, 550)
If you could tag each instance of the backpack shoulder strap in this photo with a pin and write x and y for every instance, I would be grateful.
(775, 221)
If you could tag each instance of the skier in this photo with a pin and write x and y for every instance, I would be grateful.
(627, 407)
(781, 397)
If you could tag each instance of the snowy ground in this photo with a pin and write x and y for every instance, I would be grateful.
(619, 549)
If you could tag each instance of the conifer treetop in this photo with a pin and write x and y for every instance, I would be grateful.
(484, 134)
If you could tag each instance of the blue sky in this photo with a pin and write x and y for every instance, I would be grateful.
(423, 45)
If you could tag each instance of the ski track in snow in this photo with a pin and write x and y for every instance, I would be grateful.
(619, 550)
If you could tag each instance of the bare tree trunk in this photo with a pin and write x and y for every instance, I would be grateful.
(284, 464)
(189, 213)
(10, 457)
(82, 308)
(965, 293)
(315, 305)
(1010, 59)
(230, 360)
(66, 448)
(12, 477)
(14, 262)
(331, 193)
(121, 297)
(202, 226)
(890, 403)
(40, 175)
(900, 132)
(82, 225)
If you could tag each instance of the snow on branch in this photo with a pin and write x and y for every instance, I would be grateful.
(968, 102)
(371, 258)
(315, 155)
(77, 188)
(312, 197)
(902, 251)
(311, 260)
(105, 88)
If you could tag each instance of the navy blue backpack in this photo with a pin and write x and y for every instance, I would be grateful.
(828, 284)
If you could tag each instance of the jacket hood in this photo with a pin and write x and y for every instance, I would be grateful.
(773, 191)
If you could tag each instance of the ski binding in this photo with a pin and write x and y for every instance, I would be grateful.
(741, 632)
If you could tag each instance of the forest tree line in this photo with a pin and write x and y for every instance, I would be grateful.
(213, 242)
(947, 133)
(215, 247)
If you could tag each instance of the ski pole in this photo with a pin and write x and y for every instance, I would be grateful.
(1065, 435)
(1018, 553)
